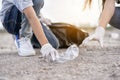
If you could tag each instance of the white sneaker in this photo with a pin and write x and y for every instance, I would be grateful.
(24, 47)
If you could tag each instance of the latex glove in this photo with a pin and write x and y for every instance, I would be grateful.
(98, 36)
(45, 21)
(49, 53)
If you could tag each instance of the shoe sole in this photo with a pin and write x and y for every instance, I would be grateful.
(27, 55)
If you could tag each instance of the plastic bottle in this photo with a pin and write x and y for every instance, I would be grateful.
(71, 53)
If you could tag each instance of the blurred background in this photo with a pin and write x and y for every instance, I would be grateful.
(71, 11)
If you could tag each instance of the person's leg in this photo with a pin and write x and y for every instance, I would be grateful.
(115, 20)
(22, 41)
(50, 36)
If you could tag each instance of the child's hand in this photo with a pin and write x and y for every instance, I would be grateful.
(46, 21)
(98, 36)
(49, 53)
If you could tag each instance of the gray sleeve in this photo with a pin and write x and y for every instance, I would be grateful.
(22, 4)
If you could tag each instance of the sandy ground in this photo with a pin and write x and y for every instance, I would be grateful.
(93, 62)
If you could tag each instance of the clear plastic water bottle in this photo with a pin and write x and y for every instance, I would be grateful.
(71, 53)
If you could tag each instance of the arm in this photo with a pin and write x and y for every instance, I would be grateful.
(35, 24)
(47, 50)
(105, 17)
(107, 13)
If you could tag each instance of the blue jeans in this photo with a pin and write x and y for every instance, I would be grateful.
(26, 30)
(50, 36)
(115, 20)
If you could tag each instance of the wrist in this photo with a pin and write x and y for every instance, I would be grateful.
(101, 27)
(46, 45)
(100, 30)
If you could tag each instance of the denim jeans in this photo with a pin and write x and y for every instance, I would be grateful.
(50, 36)
(115, 20)
(26, 30)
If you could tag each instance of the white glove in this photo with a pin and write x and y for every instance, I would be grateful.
(45, 21)
(98, 36)
(49, 53)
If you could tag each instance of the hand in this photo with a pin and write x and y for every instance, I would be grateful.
(49, 53)
(46, 21)
(98, 36)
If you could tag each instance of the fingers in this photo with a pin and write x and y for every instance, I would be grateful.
(52, 56)
(101, 42)
(92, 37)
(97, 36)
(49, 53)
(57, 55)
(87, 40)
